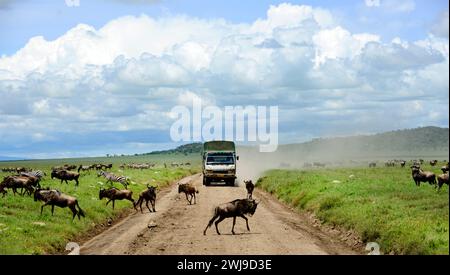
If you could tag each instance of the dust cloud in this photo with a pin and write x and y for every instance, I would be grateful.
(336, 152)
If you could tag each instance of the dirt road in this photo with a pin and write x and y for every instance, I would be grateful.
(177, 228)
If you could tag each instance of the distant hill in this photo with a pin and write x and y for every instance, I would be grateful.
(183, 149)
(418, 142)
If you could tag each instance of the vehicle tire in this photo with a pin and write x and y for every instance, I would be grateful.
(206, 181)
(230, 182)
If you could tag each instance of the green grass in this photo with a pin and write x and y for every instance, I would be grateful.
(19, 233)
(382, 204)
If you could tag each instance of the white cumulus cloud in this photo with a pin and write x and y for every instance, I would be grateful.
(127, 75)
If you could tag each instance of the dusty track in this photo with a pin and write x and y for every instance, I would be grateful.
(275, 229)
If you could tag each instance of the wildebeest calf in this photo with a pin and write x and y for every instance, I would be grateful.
(189, 191)
(147, 195)
(114, 194)
(233, 209)
(250, 187)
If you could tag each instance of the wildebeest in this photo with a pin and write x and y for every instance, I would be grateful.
(233, 209)
(433, 162)
(372, 164)
(3, 190)
(114, 194)
(55, 197)
(147, 195)
(65, 167)
(65, 175)
(22, 169)
(18, 182)
(250, 187)
(444, 169)
(402, 163)
(189, 191)
(8, 169)
(319, 164)
(421, 176)
(85, 168)
(441, 180)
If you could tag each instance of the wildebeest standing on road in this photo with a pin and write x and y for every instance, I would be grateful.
(233, 209)
(147, 195)
(189, 191)
(250, 187)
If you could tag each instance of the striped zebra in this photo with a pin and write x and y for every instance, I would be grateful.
(111, 178)
(35, 173)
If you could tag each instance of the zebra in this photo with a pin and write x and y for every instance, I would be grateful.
(111, 178)
(35, 173)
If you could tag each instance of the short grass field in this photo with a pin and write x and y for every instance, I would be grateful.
(382, 204)
(24, 231)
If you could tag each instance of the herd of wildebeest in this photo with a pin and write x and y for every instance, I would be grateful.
(27, 181)
(420, 175)
(417, 173)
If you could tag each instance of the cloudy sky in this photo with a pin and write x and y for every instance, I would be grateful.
(102, 76)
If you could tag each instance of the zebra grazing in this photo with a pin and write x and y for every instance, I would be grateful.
(111, 178)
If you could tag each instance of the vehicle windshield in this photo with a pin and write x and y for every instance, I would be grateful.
(220, 159)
